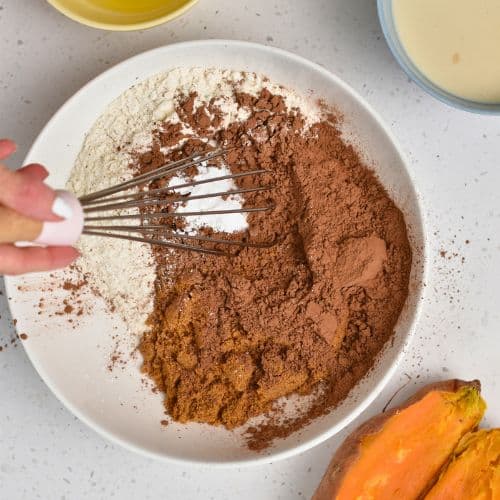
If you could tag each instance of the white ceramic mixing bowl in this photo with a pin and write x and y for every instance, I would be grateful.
(73, 362)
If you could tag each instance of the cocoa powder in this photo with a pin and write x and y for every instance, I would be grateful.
(230, 336)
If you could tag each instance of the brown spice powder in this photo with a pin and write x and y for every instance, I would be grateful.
(230, 336)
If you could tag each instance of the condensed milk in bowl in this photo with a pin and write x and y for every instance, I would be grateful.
(451, 48)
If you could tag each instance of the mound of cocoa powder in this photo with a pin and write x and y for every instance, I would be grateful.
(230, 336)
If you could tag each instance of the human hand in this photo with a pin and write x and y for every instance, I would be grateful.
(25, 192)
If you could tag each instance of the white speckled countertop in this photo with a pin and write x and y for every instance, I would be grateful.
(45, 452)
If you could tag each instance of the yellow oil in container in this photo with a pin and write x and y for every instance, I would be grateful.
(136, 6)
(122, 14)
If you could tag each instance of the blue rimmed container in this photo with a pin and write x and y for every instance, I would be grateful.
(386, 17)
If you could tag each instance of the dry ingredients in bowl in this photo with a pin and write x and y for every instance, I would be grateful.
(228, 338)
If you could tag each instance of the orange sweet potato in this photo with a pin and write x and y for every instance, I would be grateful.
(473, 473)
(398, 454)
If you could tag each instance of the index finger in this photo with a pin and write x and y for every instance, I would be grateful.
(7, 147)
(27, 195)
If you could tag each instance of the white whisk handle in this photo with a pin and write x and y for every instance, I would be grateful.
(67, 231)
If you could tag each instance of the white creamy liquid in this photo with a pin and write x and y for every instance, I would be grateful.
(455, 43)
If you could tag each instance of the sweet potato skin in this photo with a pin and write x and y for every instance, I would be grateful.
(349, 451)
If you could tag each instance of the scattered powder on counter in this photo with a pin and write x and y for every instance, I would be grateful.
(230, 337)
(72, 286)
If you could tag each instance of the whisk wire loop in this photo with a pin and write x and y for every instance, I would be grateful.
(157, 206)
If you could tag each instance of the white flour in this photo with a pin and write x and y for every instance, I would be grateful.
(228, 223)
(124, 271)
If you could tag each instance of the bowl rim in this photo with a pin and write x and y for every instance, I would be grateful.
(421, 267)
(61, 6)
(385, 15)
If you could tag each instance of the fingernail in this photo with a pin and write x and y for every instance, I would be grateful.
(62, 208)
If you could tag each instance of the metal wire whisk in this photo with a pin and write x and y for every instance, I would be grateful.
(152, 227)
